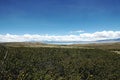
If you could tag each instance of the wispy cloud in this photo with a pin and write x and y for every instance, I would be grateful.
(99, 35)
(78, 31)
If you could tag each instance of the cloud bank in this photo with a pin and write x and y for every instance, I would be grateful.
(99, 35)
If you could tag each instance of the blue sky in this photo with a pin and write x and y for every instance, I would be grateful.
(58, 17)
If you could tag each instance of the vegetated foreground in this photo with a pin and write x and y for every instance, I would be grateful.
(30, 63)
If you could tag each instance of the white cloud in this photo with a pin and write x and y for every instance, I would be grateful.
(79, 31)
(81, 37)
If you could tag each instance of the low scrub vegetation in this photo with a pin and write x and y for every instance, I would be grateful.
(29, 63)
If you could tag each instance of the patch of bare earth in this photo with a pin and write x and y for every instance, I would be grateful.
(118, 52)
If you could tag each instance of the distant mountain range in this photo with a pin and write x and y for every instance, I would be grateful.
(109, 40)
(82, 42)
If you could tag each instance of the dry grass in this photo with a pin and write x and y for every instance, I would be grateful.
(88, 46)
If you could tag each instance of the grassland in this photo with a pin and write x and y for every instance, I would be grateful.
(38, 61)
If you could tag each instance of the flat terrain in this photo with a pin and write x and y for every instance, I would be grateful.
(38, 61)
(37, 44)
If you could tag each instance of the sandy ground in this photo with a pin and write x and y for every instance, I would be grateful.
(118, 52)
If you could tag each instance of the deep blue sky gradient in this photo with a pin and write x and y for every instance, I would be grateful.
(58, 17)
